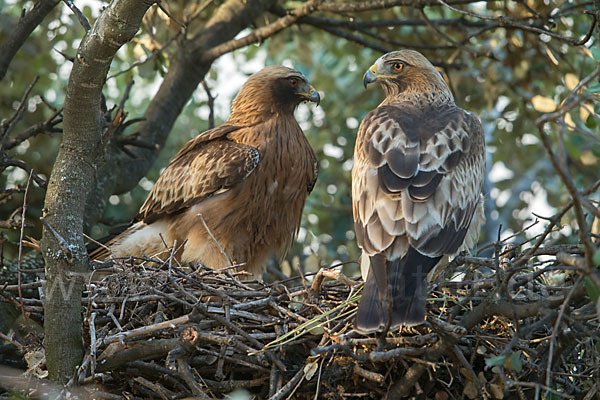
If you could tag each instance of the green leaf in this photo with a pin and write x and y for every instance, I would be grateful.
(592, 290)
(494, 361)
(596, 53)
(515, 361)
(596, 257)
(594, 89)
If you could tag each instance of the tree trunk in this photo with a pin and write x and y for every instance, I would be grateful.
(70, 183)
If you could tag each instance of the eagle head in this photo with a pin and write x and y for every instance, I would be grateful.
(405, 71)
(272, 91)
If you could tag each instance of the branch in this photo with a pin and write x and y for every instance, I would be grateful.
(332, 26)
(380, 4)
(47, 126)
(261, 34)
(456, 44)
(506, 22)
(7, 126)
(21, 164)
(82, 19)
(21, 32)
(211, 105)
(20, 259)
(571, 101)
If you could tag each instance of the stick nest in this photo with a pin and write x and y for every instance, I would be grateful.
(516, 325)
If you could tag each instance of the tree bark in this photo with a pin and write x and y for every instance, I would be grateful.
(21, 32)
(120, 173)
(70, 183)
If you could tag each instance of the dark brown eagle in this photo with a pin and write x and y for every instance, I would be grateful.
(235, 193)
(419, 168)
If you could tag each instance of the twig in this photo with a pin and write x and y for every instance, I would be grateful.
(168, 14)
(556, 328)
(315, 287)
(221, 249)
(47, 126)
(369, 375)
(204, 310)
(82, 19)
(571, 101)
(64, 246)
(170, 324)
(374, 356)
(186, 373)
(506, 22)
(211, 105)
(538, 386)
(20, 164)
(6, 127)
(152, 55)
(289, 386)
(262, 33)
(12, 341)
(21, 249)
(452, 41)
(93, 343)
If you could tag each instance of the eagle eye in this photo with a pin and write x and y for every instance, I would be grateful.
(294, 82)
(398, 66)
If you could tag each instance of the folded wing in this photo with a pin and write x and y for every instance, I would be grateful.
(418, 179)
(207, 165)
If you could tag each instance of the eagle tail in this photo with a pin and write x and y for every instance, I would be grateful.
(404, 280)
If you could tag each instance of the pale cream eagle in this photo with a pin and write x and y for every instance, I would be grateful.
(419, 168)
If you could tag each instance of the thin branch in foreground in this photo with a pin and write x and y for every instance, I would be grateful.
(82, 18)
(211, 105)
(168, 14)
(20, 259)
(64, 245)
(556, 329)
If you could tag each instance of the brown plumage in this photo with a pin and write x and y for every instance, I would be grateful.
(247, 180)
(419, 167)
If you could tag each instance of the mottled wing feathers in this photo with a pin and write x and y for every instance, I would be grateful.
(204, 167)
(417, 179)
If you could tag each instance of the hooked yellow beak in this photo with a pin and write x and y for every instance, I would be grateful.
(312, 95)
(370, 76)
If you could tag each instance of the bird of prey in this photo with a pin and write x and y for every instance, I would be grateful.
(419, 168)
(235, 193)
